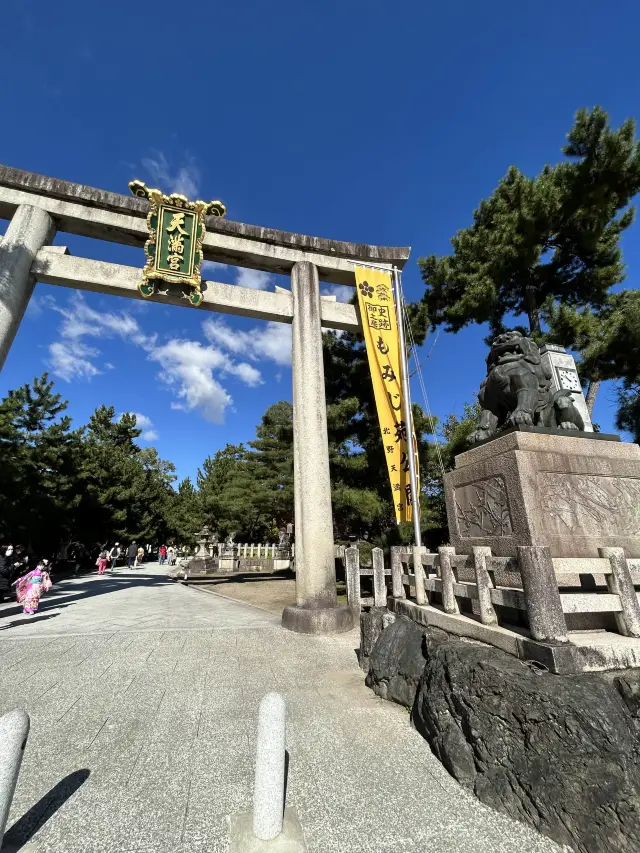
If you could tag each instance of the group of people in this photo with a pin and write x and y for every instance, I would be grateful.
(135, 556)
(110, 557)
(30, 583)
(167, 555)
(20, 569)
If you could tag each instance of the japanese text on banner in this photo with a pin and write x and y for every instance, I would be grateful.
(380, 328)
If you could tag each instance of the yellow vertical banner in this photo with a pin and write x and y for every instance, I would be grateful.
(380, 329)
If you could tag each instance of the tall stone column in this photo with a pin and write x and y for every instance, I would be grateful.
(316, 610)
(29, 230)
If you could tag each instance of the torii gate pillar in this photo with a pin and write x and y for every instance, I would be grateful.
(316, 610)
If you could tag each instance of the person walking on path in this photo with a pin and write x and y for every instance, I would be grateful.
(132, 550)
(101, 562)
(162, 555)
(139, 557)
(172, 555)
(31, 586)
(114, 553)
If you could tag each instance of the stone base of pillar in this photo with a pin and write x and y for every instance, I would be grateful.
(318, 620)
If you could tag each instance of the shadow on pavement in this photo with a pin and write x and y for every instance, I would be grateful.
(26, 827)
(28, 620)
(70, 590)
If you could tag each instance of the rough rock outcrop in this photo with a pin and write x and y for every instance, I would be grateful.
(370, 630)
(561, 753)
(396, 662)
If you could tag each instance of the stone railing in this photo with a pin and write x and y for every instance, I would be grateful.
(529, 590)
(259, 550)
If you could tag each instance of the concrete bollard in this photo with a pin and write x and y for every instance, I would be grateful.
(268, 790)
(14, 730)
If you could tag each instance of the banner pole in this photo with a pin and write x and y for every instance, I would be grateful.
(408, 413)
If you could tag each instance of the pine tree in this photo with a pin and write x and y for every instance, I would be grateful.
(551, 237)
(270, 467)
(628, 418)
(40, 485)
(607, 341)
(227, 492)
(184, 513)
(126, 490)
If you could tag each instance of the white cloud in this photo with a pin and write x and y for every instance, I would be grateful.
(71, 360)
(38, 304)
(188, 366)
(191, 369)
(141, 420)
(80, 320)
(254, 279)
(341, 292)
(270, 340)
(145, 424)
(185, 180)
(208, 268)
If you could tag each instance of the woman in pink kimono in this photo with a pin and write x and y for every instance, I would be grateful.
(32, 585)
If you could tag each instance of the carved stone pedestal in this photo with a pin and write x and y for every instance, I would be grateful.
(574, 494)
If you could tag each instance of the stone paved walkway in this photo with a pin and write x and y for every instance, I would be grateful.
(143, 698)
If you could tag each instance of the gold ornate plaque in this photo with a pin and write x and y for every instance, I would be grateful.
(176, 230)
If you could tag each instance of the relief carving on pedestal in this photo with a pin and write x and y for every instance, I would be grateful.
(482, 509)
(590, 505)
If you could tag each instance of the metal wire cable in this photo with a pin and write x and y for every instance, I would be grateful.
(414, 348)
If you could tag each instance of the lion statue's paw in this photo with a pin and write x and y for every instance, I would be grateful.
(520, 418)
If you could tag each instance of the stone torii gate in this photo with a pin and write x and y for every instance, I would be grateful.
(38, 207)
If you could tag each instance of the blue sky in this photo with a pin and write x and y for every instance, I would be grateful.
(373, 121)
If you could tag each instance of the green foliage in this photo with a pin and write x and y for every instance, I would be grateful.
(185, 516)
(553, 237)
(608, 340)
(435, 458)
(270, 468)
(629, 409)
(93, 485)
(38, 486)
(227, 492)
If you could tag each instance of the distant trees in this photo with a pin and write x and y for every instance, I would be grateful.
(40, 466)
(92, 484)
(96, 485)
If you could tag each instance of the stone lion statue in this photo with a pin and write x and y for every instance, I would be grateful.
(517, 391)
